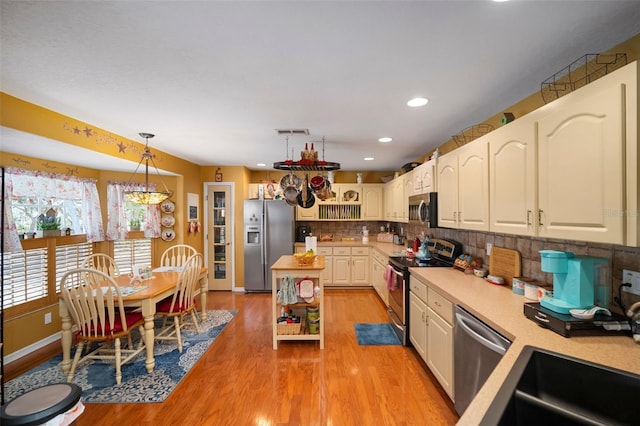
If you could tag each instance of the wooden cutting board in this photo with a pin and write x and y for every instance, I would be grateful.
(505, 263)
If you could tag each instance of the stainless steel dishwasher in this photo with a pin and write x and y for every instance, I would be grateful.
(477, 350)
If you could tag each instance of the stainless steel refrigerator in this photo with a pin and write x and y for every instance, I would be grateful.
(268, 234)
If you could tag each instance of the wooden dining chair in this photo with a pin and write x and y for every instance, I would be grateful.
(95, 304)
(177, 255)
(102, 262)
(181, 303)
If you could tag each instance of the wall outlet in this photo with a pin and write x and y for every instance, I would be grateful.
(633, 278)
(489, 245)
(47, 318)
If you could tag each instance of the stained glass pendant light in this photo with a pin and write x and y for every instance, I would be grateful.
(147, 196)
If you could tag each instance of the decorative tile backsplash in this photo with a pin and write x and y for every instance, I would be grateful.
(474, 243)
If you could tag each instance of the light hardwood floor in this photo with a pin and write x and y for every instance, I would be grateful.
(241, 380)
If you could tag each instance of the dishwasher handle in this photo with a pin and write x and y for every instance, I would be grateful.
(483, 340)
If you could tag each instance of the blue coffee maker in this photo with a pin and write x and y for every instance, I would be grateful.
(578, 281)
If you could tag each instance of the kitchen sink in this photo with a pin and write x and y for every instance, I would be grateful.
(549, 388)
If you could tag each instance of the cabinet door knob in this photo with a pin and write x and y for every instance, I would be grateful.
(528, 217)
(540, 217)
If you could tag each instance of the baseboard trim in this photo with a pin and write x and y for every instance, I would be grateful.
(32, 348)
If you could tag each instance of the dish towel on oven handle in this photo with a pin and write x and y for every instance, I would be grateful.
(390, 277)
(287, 295)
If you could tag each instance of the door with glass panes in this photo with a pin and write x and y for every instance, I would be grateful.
(220, 236)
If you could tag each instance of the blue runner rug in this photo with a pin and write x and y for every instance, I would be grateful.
(376, 334)
(98, 379)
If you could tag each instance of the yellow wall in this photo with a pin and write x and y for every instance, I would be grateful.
(30, 118)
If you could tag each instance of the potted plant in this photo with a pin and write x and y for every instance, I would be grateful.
(134, 225)
(137, 217)
(48, 224)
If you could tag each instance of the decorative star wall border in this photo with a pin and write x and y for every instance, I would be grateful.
(103, 138)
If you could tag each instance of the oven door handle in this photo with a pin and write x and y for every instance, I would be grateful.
(398, 273)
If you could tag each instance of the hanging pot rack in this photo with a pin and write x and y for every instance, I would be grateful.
(306, 164)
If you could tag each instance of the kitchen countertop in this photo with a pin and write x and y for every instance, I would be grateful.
(387, 248)
(502, 309)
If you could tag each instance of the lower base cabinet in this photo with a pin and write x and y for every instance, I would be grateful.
(431, 331)
(440, 350)
(379, 264)
(418, 325)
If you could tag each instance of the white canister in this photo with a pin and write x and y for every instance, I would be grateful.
(531, 291)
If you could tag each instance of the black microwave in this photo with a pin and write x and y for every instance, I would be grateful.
(423, 209)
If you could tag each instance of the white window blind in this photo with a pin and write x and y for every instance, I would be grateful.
(25, 276)
(131, 252)
(70, 257)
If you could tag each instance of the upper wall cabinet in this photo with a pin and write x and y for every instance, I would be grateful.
(463, 187)
(581, 168)
(512, 177)
(424, 178)
(569, 170)
(427, 176)
(396, 203)
(351, 202)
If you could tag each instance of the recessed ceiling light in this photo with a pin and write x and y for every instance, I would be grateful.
(261, 165)
(385, 139)
(418, 102)
(368, 158)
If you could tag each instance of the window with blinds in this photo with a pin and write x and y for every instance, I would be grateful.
(127, 253)
(25, 276)
(70, 257)
(26, 273)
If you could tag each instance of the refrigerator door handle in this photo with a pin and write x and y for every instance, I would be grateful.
(263, 231)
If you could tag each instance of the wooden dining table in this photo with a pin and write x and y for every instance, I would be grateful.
(148, 292)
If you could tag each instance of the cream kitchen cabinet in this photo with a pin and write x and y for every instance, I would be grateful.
(431, 330)
(569, 170)
(440, 339)
(424, 178)
(463, 187)
(351, 202)
(372, 207)
(379, 264)
(307, 214)
(581, 169)
(396, 202)
(411, 183)
(350, 266)
(512, 177)
(418, 316)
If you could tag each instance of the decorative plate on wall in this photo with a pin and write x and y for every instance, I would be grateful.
(168, 220)
(167, 206)
(168, 234)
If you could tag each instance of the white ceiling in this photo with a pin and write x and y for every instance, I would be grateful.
(214, 79)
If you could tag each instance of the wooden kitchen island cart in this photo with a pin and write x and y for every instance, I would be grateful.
(287, 266)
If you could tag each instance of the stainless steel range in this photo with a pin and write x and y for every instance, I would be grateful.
(443, 253)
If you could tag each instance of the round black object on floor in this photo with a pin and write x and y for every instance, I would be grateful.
(41, 404)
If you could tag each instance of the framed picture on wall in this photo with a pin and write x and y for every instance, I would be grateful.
(192, 206)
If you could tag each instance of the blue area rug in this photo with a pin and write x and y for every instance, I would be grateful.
(98, 379)
(376, 334)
